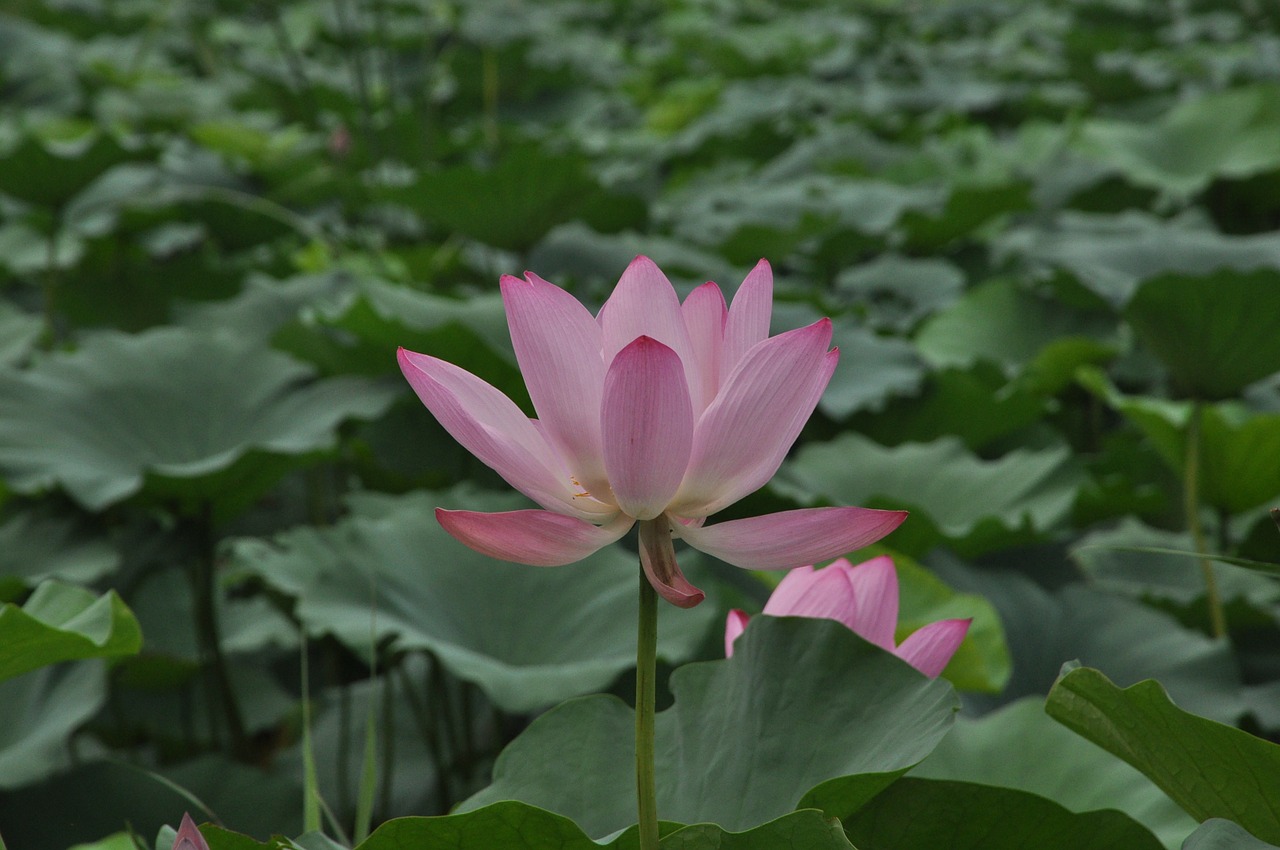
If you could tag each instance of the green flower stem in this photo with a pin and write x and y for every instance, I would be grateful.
(1191, 506)
(646, 674)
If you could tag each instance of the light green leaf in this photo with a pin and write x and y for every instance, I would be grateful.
(805, 713)
(61, 622)
(528, 636)
(1210, 769)
(171, 403)
(971, 501)
(1219, 834)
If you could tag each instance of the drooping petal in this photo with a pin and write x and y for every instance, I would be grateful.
(704, 315)
(645, 304)
(558, 346)
(658, 559)
(537, 538)
(748, 321)
(930, 647)
(491, 427)
(734, 625)
(647, 424)
(791, 538)
(874, 614)
(806, 592)
(743, 437)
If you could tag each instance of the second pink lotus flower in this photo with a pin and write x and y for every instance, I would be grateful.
(654, 411)
(864, 598)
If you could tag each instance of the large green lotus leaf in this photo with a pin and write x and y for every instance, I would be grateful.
(39, 545)
(1110, 559)
(528, 636)
(38, 715)
(1222, 134)
(897, 292)
(974, 502)
(1219, 834)
(925, 814)
(1239, 447)
(1019, 746)
(1002, 322)
(1211, 332)
(511, 825)
(1210, 769)
(62, 622)
(1112, 254)
(170, 402)
(49, 166)
(967, 209)
(804, 713)
(510, 205)
(1126, 639)
(979, 405)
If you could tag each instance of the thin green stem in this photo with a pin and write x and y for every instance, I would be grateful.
(646, 695)
(1191, 506)
(210, 637)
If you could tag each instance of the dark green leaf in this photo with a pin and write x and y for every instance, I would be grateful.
(1209, 769)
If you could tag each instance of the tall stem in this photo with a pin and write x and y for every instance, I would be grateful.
(1191, 506)
(646, 675)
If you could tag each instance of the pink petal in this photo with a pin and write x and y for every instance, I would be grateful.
(749, 316)
(647, 420)
(491, 427)
(537, 538)
(189, 837)
(791, 538)
(806, 592)
(734, 625)
(929, 648)
(658, 559)
(744, 436)
(704, 315)
(874, 614)
(644, 304)
(557, 343)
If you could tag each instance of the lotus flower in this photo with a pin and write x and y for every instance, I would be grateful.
(189, 837)
(652, 411)
(864, 598)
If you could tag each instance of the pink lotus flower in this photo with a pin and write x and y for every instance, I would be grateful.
(864, 598)
(189, 837)
(653, 411)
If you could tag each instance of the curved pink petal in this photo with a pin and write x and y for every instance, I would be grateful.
(704, 314)
(929, 648)
(658, 560)
(557, 343)
(647, 423)
(806, 592)
(645, 304)
(491, 427)
(874, 614)
(791, 538)
(537, 538)
(734, 625)
(744, 436)
(748, 321)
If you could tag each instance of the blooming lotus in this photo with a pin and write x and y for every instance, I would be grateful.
(864, 598)
(654, 411)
